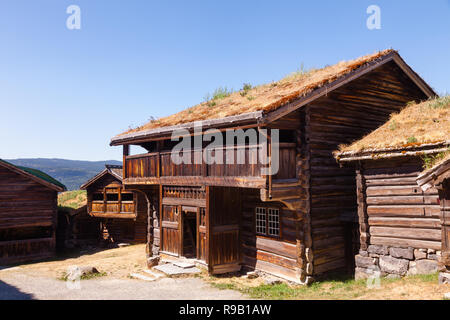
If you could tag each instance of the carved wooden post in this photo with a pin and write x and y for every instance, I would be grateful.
(126, 152)
(362, 209)
(305, 255)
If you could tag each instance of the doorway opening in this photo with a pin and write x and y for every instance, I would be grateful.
(189, 238)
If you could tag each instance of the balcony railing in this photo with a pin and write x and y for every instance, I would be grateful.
(160, 164)
(112, 207)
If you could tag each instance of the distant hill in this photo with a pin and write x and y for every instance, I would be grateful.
(72, 173)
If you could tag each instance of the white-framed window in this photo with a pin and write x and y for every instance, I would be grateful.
(273, 219)
(261, 220)
(267, 221)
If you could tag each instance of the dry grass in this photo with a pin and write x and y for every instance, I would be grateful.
(267, 97)
(416, 124)
(72, 199)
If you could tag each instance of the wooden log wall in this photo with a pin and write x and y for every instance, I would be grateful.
(445, 222)
(273, 255)
(398, 212)
(28, 215)
(343, 116)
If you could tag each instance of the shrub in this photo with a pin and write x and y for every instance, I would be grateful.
(245, 89)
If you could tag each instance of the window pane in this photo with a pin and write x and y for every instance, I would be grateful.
(127, 197)
(97, 197)
(112, 197)
(261, 220)
(274, 221)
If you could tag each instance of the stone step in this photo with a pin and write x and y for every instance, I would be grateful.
(183, 264)
(142, 277)
(156, 275)
(171, 269)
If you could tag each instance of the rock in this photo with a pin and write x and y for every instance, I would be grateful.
(76, 272)
(309, 280)
(418, 254)
(363, 253)
(381, 250)
(444, 278)
(412, 268)
(405, 253)
(432, 256)
(364, 262)
(374, 255)
(272, 281)
(122, 245)
(252, 275)
(393, 276)
(447, 296)
(361, 273)
(364, 273)
(423, 250)
(153, 261)
(394, 265)
(432, 251)
(426, 266)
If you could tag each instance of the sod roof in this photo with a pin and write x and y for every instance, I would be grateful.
(415, 126)
(265, 98)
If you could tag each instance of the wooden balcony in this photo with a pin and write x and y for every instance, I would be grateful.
(158, 168)
(113, 209)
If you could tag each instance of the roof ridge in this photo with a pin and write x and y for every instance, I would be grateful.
(37, 174)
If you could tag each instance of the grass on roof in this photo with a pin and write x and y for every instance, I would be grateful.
(429, 161)
(416, 124)
(72, 199)
(267, 97)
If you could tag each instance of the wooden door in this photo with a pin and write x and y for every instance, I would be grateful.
(171, 230)
(201, 235)
(224, 224)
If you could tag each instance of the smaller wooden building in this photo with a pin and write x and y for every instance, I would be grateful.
(122, 213)
(28, 214)
(439, 177)
(400, 224)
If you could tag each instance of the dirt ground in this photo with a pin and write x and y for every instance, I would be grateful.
(117, 263)
(42, 280)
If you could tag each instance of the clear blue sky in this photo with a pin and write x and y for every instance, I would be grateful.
(64, 93)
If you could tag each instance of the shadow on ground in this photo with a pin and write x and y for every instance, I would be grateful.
(8, 292)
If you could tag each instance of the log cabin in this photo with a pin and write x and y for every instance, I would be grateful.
(438, 177)
(401, 226)
(122, 213)
(298, 222)
(28, 214)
